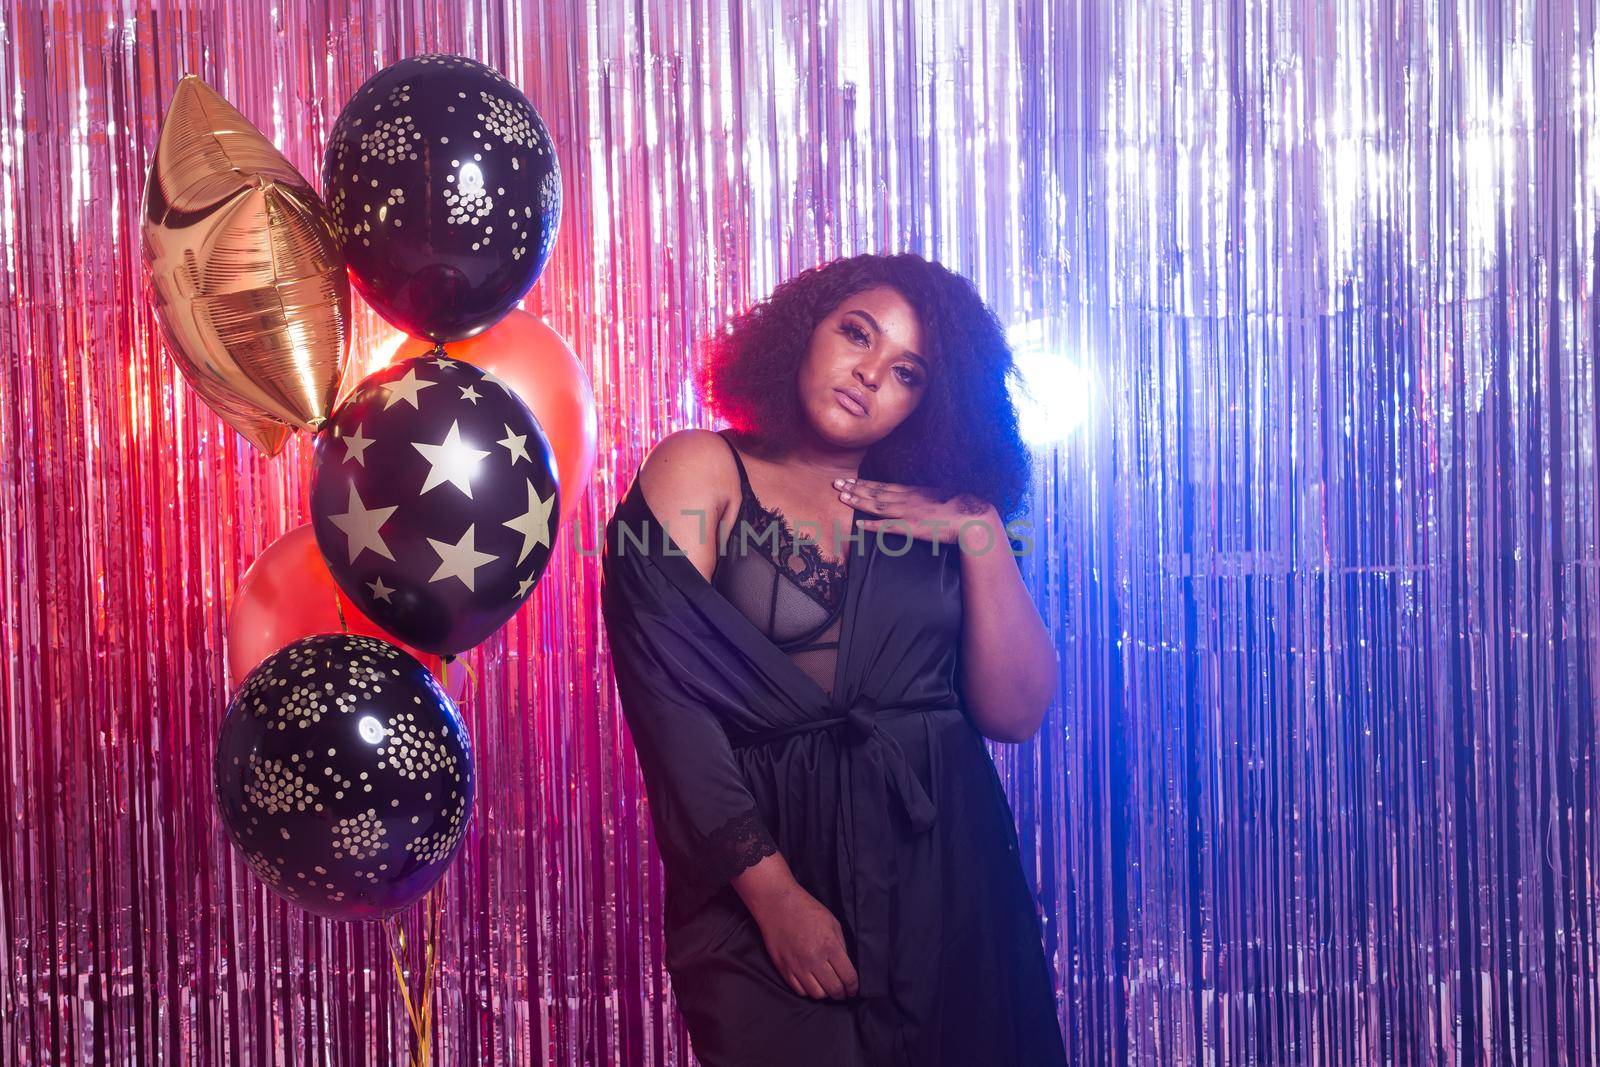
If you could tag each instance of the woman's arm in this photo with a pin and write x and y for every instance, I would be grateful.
(687, 488)
(1008, 662)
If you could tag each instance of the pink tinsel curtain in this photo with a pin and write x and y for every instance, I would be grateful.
(1309, 289)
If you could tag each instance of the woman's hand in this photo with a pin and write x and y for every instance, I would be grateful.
(806, 944)
(962, 519)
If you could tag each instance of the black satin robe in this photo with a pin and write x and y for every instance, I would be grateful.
(883, 800)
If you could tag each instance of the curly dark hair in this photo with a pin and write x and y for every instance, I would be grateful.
(962, 438)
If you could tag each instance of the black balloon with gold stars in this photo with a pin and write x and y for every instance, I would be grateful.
(435, 501)
(344, 775)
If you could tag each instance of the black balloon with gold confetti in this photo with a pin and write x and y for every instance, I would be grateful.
(445, 193)
(344, 775)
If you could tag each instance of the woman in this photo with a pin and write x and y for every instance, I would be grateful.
(815, 618)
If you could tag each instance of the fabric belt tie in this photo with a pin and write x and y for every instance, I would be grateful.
(874, 765)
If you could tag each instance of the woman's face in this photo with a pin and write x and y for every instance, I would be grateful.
(864, 371)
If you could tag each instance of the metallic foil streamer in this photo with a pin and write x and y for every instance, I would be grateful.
(1323, 555)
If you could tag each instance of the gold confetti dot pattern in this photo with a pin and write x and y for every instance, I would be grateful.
(413, 752)
(433, 847)
(276, 788)
(359, 837)
(338, 780)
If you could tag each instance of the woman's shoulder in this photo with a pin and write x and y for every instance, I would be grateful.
(689, 480)
(694, 463)
(694, 442)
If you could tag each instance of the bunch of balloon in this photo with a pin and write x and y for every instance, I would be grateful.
(343, 770)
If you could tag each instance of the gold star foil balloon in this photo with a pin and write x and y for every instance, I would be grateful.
(246, 274)
(263, 431)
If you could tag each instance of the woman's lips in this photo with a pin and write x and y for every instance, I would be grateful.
(849, 403)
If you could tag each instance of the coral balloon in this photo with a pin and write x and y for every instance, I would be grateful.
(536, 363)
(246, 274)
(288, 594)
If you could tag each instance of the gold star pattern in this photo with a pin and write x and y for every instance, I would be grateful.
(460, 560)
(355, 447)
(405, 389)
(361, 526)
(452, 460)
(533, 524)
(515, 443)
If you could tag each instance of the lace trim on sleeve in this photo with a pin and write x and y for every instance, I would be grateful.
(738, 843)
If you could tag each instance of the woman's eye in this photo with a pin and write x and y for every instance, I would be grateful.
(854, 332)
(907, 375)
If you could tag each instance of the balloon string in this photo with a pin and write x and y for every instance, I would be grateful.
(444, 671)
(431, 955)
(338, 606)
(397, 946)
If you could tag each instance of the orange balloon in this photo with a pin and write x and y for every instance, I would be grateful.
(288, 594)
(536, 363)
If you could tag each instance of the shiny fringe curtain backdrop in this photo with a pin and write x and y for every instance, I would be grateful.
(1322, 554)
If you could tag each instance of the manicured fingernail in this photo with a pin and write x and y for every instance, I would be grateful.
(838, 482)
